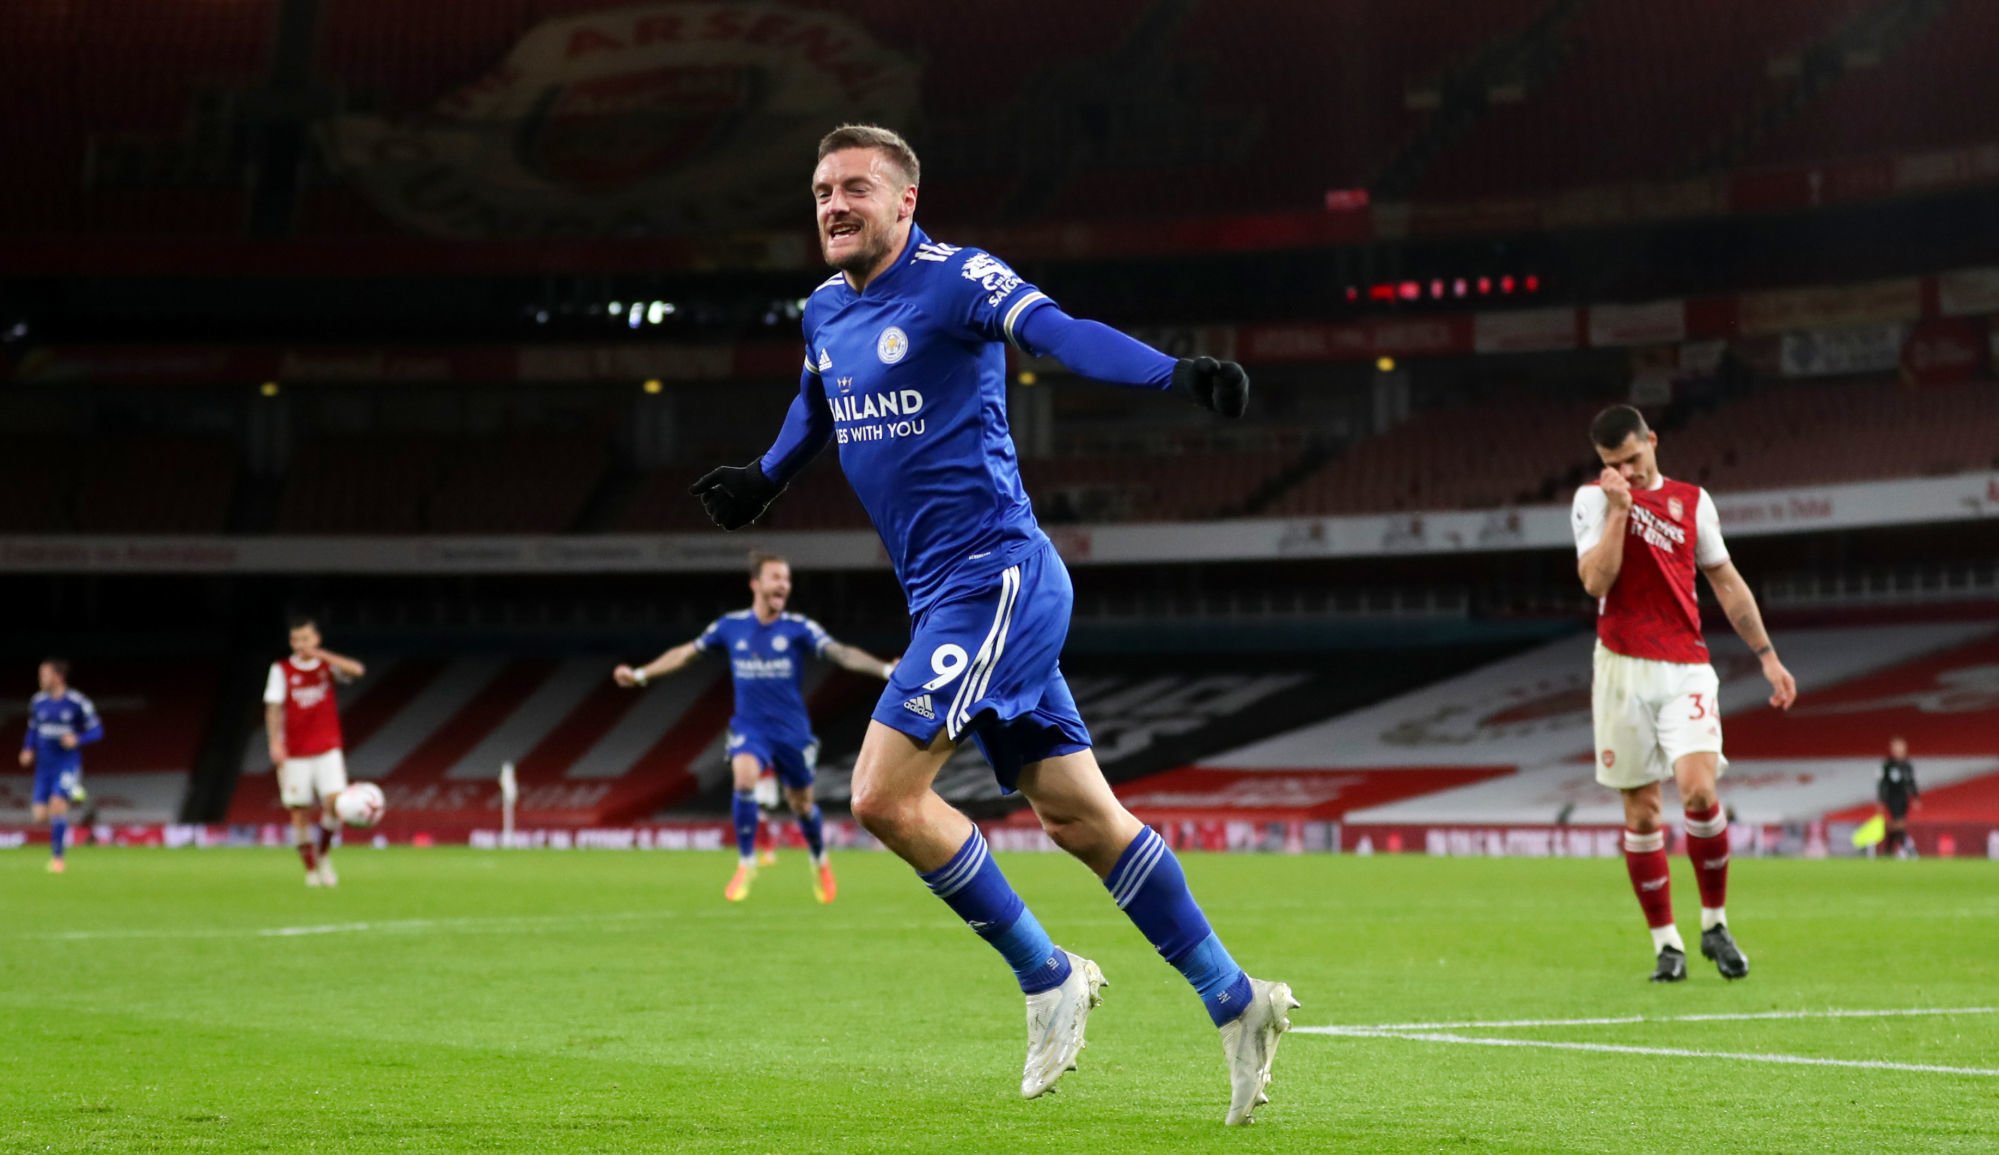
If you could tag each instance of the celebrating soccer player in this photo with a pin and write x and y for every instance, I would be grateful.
(771, 729)
(61, 722)
(905, 370)
(302, 721)
(1640, 536)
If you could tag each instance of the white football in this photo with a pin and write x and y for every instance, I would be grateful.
(361, 805)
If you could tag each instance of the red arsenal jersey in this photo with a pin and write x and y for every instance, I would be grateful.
(1651, 610)
(312, 720)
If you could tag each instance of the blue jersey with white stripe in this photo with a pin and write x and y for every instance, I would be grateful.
(767, 661)
(50, 719)
(913, 373)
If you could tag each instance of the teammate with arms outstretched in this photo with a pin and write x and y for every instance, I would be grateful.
(302, 724)
(1639, 538)
(61, 722)
(905, 370)
(771, 729)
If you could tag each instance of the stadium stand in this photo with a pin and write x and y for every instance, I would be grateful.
(504, 484)
(114, 485)
(1808, 433)
(1644, 86)
(1446, 459)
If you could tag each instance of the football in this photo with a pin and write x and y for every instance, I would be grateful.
(361, 804)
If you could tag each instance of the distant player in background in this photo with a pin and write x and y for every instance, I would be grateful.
(1897, 792)
(302, 722)
(1639, 538)
(905, 370)
(61, 722)
(771, 729)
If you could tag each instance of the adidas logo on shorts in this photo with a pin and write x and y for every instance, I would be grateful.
(920, 705)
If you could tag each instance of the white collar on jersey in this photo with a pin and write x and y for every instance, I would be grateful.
(312, 665)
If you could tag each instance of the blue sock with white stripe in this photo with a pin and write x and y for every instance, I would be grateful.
(811, 825)
(1151, 889)
(743, 812)
(973, 887)
(58, 835)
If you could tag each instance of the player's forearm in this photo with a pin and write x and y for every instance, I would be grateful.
(808, 426)
(274, 724)
(1605, 560)
(1095, 350)
(858, 660)
(671, 662)
(343, 665)
(1740, 605)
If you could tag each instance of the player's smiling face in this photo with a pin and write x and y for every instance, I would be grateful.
(1637, 459)
(865, 205)
(772, 587)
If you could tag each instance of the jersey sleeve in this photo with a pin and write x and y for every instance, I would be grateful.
(274, 686)
(93, 726)
(1586, 517)
(1709, 549)
(708, 637)
(818, 635)
(988, 299)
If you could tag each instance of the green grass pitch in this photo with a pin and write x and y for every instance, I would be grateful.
(452, 1000)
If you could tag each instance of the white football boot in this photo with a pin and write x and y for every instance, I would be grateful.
(1250, 1042)
(326, 875)
(1055, 1019)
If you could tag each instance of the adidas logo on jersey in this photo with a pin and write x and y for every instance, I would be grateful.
(920, 706)
(935, 251)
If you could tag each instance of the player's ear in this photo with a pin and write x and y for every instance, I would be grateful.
(908, 203)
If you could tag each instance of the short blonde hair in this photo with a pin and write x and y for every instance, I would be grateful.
(887, 141)
(759, 559)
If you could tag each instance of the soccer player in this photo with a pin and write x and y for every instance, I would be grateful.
(61, 722)
(771, 728)
(302, 722)
(1897, 791)
(1639, 537)
(905, 370)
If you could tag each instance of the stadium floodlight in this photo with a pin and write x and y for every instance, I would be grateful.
(632, 318)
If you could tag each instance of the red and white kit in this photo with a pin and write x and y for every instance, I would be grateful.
(314, 764)
(1654, 694)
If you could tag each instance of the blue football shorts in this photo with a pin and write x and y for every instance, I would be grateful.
(793, 760)
(985, 663)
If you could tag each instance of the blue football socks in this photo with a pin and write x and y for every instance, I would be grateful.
(1151, 889)
(58, 835)
(743, 812)
(811, 825)
(973, 887)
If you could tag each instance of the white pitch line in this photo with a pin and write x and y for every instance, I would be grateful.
(1679, 1052)
(1627, 1020)
(468, 923)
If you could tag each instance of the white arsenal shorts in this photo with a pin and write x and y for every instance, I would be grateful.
(1649, 715)
(300, 779)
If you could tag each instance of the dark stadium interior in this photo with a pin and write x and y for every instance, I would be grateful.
(226, 322)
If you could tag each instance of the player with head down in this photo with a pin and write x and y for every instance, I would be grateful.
(1640, 537)
(905, 370)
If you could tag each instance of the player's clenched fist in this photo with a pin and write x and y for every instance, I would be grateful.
(626, 677)
(1616, 489)
(1222, 386)
(736, 495)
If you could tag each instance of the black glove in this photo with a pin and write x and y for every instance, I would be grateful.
(1218, 385)
(736, 495)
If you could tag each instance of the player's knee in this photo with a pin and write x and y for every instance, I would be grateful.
(1080, 835)
(1699, 798)
(884, 815)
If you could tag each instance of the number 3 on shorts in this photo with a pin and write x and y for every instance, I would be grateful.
(947, 662)
(1701, 709)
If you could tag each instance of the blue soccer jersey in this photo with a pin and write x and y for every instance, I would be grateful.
(911, 374)
(768, 665)
(50, 719)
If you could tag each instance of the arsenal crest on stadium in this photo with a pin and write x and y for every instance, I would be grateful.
(651, 120)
